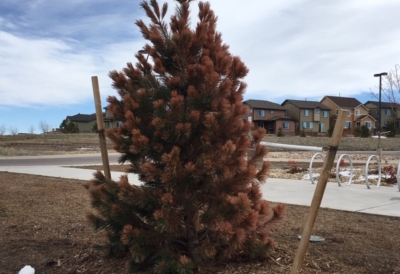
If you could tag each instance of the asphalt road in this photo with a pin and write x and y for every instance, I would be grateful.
(58, 160)
(95, 159)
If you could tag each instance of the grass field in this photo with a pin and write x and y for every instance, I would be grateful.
(59, 143)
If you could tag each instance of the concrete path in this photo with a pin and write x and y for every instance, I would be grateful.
(356, 198)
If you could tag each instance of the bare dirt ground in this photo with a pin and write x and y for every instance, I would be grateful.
(42, 223)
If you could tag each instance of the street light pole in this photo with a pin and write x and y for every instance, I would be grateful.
(380, 112)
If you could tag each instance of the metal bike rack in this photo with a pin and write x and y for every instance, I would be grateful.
(379, 171)
(338, 166)
(311, 162)
(294, 147)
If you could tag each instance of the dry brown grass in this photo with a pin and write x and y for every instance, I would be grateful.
(49, 144)
(347, 143)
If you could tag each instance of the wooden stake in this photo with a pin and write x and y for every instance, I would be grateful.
(100, 127)
(319, 191)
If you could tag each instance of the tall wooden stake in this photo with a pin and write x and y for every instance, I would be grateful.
(319, 191)
(100, 127)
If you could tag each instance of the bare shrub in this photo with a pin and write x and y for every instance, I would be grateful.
(31, 129)
(13, 130)
(3, 129)
(44, 126)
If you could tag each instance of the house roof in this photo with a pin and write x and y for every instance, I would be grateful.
(263, 104)
(362, 117)
(306, 104)
(383, 104)
(82, 117)
(344, 102)
(282, 117)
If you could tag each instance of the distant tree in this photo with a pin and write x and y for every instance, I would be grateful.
(391, 89)
(44, 126)
(94, 128)
(13, 130)
(3, 129)
(69, 127)
(357, 131)
(391, 128)
(31, 129)
(280, 132)
(364, 131)
(184, 135)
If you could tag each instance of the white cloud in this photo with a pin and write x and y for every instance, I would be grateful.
(312, 48)
(51, 72)
(299, 48)
(41, 72)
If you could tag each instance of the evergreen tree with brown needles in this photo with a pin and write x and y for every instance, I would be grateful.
(185, 136)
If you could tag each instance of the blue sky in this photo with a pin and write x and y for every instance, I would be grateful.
(296, 49)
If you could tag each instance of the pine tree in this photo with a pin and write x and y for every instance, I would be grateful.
(185, 136)
(69, 127)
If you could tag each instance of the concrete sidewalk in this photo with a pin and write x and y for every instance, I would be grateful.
(356, 198)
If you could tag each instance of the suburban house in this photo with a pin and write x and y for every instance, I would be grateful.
(357, 113)
(85, 122)
(388, 112)
(270, 116)
(110, 121)
(312, 116)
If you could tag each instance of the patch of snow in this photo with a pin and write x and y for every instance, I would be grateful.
(346, 173)
(27, 270)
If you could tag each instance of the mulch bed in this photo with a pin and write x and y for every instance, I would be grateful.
(42, 224)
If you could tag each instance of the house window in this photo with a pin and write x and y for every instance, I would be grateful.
(385, 122)
(261, 113)
(388, 112)
(348, 125)
(368, 124)
(357, 112)
(119, 124)
(358, 124)
(272, 111)
(337, 111)
(325, 113)
(316, 111)
(306, 112)
(285, 125)
(307, 125)
(348, 112)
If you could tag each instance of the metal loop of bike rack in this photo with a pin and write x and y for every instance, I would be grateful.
(379, 171)
(398, 176)
(311, 162)
(338, 166)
